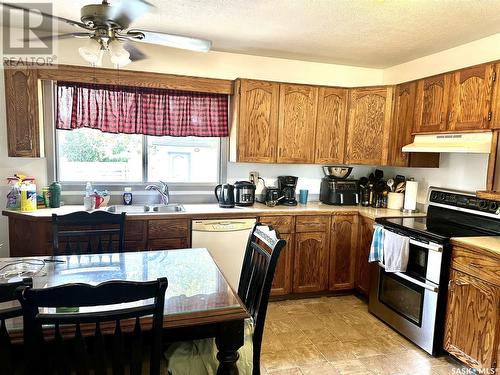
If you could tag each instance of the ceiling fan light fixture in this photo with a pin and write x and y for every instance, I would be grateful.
(91, 51)
(117, 51)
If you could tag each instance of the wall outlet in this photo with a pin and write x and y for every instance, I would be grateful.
(253, 177)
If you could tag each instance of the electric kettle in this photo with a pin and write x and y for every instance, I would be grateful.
(225, 195)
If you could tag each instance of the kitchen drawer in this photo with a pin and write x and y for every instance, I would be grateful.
(168, 243)
(283, 224)
(480, 266)
(312, 223)
(171, 228)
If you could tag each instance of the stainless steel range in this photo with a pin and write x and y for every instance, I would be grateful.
(414, 302)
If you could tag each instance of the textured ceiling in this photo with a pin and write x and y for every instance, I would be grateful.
(371, 33)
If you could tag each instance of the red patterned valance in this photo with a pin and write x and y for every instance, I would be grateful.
(141, 110)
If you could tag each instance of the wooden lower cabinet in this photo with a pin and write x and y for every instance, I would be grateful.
(472, 327)
(363, 268)
(310, 271)
(343, 243)
(282, 281)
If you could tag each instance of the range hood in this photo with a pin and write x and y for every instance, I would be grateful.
(469, 143)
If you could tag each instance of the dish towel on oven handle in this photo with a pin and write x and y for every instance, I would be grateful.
(377, 246)
(396, 252)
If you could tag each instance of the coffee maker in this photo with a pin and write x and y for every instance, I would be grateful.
(287, 186)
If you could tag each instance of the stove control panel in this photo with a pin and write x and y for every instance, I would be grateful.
(464, 201)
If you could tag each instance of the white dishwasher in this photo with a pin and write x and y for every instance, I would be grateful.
(226, 239)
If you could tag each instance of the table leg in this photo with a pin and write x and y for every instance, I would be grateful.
(230, 337)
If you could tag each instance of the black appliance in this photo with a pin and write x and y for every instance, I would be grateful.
(287, 186)
(272, 196)
(414, 302)
(338, 191)
(244, 193)
(225, 195)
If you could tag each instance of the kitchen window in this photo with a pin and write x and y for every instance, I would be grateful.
(124, 135)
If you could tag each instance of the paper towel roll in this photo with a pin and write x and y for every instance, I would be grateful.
(411, 195)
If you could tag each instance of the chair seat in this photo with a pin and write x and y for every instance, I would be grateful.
(199, 357)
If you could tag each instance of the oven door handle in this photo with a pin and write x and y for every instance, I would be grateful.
(430, 287)
(431, 246)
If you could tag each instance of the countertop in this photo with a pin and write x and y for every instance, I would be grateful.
(213, 210)
(489, 244)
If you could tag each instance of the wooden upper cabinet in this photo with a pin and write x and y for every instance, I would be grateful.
(470, 98)
(23, 124)
(368, 125)
(257, 117)
(431, 104)
(402, 123)
(343, 246)
(331, 125)
(297, 121)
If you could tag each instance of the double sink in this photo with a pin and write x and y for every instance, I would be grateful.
(153, 208)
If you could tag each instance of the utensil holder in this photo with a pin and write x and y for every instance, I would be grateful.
(395, 201)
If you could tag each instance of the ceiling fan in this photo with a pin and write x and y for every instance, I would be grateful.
(107, 29)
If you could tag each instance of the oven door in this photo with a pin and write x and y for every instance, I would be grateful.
(407, 304)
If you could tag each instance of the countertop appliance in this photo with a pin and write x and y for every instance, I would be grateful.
(414, 302)
(287, 186)
(339, 192)
(226, 240)
(244, 193)
(225, 195)
(272, 196)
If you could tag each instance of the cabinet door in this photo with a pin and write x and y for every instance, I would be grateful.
(495, 105)
(297, 122)
(472, 319)
(343, 246)
(369, 125)
(310, 271)
(470, 98)
(257, 129)
(363, 268)
(21, 97)
(431, 104)
(402, 124)
(331, 125)
(282, 281)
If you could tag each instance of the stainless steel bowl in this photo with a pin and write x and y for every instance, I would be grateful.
(336, 171)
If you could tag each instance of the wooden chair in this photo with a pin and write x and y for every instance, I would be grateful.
(259, 263)
(261, 256)
(78, 343)
(8, 362)
(88, 233)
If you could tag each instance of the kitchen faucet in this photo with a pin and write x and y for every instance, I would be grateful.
(162, 189)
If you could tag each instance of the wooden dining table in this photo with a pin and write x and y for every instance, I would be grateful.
(199, 303)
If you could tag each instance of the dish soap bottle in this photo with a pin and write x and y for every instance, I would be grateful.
(87, 199)
(127, 196)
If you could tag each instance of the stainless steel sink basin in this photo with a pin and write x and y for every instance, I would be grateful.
(168, 208)
(119, 208)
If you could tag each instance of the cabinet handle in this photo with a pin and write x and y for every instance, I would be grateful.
(475, 265)
(450, 116)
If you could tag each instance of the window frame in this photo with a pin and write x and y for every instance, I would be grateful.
(51, 147)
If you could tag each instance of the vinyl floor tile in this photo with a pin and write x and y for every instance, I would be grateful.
(337, 335)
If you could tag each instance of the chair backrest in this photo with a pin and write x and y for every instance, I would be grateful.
(7, 294)
(261, 256)
(88, 233)
(79, 337)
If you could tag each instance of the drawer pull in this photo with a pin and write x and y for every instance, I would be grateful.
(475, 265)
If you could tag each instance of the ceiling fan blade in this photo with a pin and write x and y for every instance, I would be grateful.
(60, 36)
(128, 11)
(61, 19)
(170, 40)
(135, 53)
